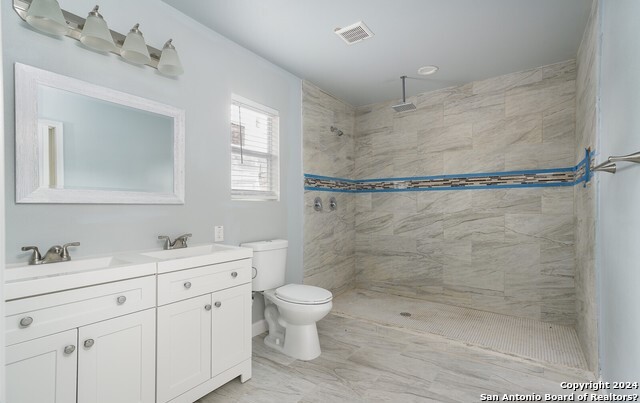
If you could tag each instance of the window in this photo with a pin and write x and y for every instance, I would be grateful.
(254, 151)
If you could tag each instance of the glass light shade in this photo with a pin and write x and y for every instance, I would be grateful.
(134, 48)
(169, 63)
(95, 33)
(46, 16)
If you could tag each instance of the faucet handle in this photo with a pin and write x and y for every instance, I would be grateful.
(36, 253)
(167, 241)
(65, 250)
(184, 236)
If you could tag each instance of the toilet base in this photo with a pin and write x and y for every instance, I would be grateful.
(299, 341)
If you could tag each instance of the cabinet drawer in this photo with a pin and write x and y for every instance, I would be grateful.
(190, 283)
(56, 312)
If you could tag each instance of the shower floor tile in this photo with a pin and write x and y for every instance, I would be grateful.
(527, 338)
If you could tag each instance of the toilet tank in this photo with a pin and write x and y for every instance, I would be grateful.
(269, 263)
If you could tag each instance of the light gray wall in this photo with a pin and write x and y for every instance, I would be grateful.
(619, 196)
(214, 69)
(585, 197)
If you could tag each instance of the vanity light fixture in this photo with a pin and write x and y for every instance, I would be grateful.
(96, 34)
(170, 64)
(47, 16)
(134, 48)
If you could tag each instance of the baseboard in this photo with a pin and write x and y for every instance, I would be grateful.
(258, 327)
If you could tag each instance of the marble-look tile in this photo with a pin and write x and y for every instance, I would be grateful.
(540, 156)
(378, 223)
(426, 117)
(394, 202)
(557, 200)
(419, 225)
(559, 122)
(484, 277)
(474, 226)
(475, 108)
(507, 200)
(524, 129)
(556, 228)
(562, 71)
(445, 138)
(474, 161)
(557, 259)
(507, 81)
(538, 97)
(440, 97)
(444, 201)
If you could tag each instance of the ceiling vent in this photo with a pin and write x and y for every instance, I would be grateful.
(354, 33)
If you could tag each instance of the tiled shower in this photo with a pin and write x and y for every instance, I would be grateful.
(476, 199)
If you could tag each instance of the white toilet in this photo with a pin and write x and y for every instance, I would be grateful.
(291, 310)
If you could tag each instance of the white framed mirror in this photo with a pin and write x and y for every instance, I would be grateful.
(78, 142)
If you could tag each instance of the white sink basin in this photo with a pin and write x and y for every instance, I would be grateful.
(199, 255)
(26, 280)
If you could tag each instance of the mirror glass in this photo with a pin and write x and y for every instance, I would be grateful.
(80, 143)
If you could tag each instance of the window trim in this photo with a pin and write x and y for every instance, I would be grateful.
(255, 195)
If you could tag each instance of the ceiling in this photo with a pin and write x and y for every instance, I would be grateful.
(468, 39)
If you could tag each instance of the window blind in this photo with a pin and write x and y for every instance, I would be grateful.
(254, 151)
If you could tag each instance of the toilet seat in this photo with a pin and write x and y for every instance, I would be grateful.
(303, 294)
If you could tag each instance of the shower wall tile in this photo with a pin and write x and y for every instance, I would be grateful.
(508, 251)
(585, 197)
(329, 236)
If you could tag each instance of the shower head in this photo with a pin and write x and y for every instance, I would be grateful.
(404, 106)
(336, 131)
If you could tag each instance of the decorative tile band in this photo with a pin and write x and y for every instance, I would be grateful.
(554, 177)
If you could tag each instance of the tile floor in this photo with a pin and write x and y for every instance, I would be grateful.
(363, 361)
(522, 337)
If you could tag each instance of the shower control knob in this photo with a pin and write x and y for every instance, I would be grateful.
(187, 285)
(234, 274)
(218, 304)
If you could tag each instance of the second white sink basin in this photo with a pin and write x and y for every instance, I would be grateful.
(198, 255)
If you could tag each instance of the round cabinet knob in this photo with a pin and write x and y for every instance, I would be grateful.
(234, 274)
(218, 304)
(207, 307)
(121, 299)
(89, 343)
(26, 321)
(69, 349)
(187, 285)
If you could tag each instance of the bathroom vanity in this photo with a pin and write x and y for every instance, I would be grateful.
(164, 326)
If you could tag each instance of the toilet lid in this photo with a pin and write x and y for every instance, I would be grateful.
(303, 294)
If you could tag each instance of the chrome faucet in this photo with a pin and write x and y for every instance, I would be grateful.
(55, 254)
(179, 242)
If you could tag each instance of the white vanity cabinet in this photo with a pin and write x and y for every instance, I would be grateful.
(204, 329)
(91, 345)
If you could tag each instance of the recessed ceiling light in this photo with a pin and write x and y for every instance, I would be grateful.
(427, 70)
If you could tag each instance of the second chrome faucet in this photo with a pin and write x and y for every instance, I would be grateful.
(179, 242)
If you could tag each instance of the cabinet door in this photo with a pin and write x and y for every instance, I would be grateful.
(116, 362)
(43, 370)
(184, 346)
(231, 328)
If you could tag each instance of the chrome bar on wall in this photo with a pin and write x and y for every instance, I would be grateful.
(610, 164)
(635, 158)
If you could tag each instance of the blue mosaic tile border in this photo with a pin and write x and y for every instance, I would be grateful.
(553, 177)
